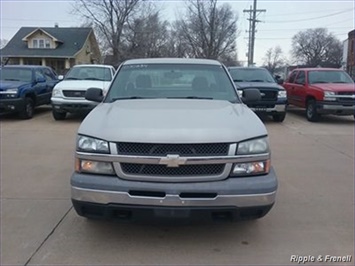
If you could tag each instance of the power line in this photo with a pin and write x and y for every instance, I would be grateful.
(302, 13)
(308, 19)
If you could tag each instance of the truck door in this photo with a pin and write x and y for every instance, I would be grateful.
(289, 86)
(299, 90)
(40, 87)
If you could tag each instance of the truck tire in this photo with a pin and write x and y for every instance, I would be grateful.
(28, 110)
(311, 111)
(280, 117)
(59, 115)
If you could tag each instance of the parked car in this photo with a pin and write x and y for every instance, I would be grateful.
(23, 87)
(273, 96)
(172, 139)
(69, 94)
(321, 91)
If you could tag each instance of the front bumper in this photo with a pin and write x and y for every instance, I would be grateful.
(270, 107)
(110, 192)
(72, 105)
(11, 105)
(336, 108)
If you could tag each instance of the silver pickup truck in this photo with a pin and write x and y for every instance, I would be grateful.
(172, 139)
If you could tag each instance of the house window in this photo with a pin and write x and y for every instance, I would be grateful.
(41, 43)
(48, 43)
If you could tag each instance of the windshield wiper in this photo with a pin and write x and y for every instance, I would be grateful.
(238, 80)
(191, 97)
(129, 98)
(93, 79)
(319, 81)
(256, 80)
(72, 78)
(12, 79)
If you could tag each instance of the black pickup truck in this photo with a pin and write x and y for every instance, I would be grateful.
(23, 87)
(273, 100)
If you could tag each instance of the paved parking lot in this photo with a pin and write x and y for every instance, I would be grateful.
(313, 216)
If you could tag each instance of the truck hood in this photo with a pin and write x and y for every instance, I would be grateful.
(82, 85)
(172, 121)
(5, 85)
(258, 85)
(336, 87)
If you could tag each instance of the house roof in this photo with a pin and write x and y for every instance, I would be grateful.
(72, 40)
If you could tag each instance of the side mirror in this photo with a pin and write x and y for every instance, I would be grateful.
(94, 94)
(280, 81)
(40, 79)
(60, 77)
(251, 96)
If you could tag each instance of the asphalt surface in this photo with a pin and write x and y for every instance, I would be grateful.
(313, 215)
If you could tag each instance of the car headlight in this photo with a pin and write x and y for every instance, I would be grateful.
(89, 144)
(93, 167)
(329, 96)
(56, 93)
(282, 94)
(254, 146)
(240, 93)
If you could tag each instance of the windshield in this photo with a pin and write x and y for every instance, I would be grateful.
(172, 81)
(329, 76)
(16, 74)
(89, 73)
(251, 75)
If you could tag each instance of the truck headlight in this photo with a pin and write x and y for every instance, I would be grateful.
(93, 167)
(88, 144)
(56, 93)
(282, 94)
(258, 167)
(254, 168)
(10, 93)
(254, 146)
(329, 96)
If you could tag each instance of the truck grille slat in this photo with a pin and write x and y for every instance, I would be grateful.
(162, 170)
(73, 93)
(155, 149)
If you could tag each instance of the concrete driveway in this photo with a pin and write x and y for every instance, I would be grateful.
(313, 216)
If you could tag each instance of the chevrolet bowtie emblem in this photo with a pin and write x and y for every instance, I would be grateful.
(172, 160)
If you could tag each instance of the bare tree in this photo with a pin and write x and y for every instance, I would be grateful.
(274, 60)
(317, 47)
(146, 37)
(109, 18)
(209, 30)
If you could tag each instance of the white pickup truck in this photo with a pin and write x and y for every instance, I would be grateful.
(172, 139)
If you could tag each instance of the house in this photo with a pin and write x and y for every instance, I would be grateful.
(57, 47)
(351, 56)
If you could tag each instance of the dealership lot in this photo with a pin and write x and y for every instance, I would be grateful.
(313, 215)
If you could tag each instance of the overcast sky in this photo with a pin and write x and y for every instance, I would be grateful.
(281, 21)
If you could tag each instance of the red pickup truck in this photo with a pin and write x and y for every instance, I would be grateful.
(321, 91)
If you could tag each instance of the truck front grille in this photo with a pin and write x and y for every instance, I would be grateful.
(74, 94)
(346, 100)
(163, 170)
(268, 95)
(155, 149)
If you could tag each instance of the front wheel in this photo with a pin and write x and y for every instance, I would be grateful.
(28, 110)
(311, 111)
(279, 117)
(58, 115)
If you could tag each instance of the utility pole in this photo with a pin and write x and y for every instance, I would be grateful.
(253, 12)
